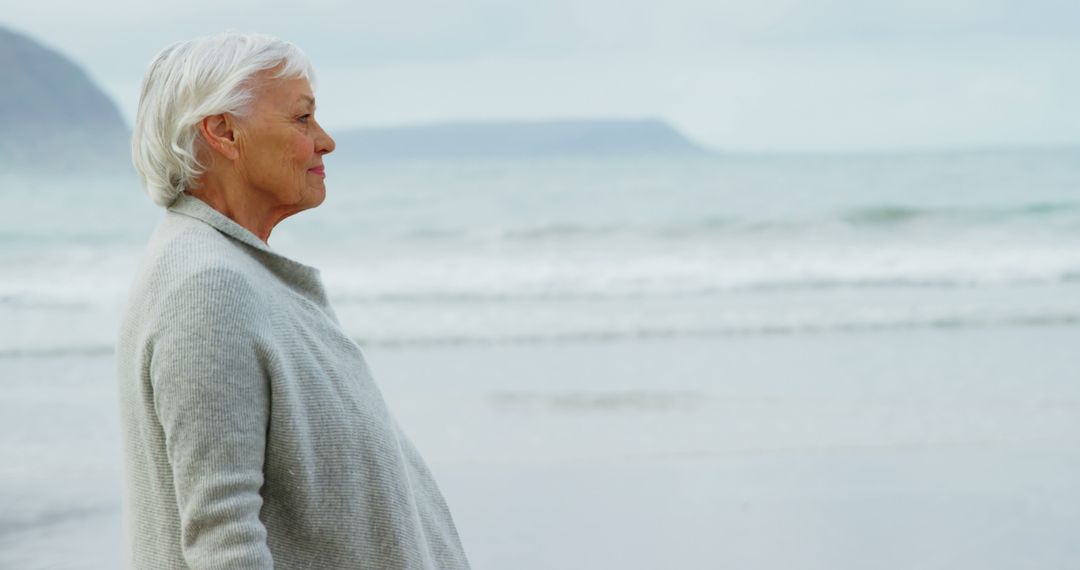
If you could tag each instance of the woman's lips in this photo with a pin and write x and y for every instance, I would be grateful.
(319, 171)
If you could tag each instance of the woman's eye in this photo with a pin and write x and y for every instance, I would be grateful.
(303, 118)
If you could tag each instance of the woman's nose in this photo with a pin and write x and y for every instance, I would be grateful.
(325, 142)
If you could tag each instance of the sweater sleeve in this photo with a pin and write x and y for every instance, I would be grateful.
(212, 397)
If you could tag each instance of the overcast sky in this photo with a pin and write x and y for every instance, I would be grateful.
(820, 75)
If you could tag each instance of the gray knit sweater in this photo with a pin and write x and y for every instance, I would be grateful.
(254, 434)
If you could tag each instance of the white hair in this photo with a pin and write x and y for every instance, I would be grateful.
(189, 81)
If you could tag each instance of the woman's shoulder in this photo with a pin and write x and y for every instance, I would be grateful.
(191, 264)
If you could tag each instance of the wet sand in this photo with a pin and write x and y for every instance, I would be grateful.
(893, 449)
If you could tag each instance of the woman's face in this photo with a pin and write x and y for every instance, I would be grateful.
(282, 146)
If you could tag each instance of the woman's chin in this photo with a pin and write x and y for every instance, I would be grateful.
(313, 197)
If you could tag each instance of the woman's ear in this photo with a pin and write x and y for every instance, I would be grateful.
(219, 132)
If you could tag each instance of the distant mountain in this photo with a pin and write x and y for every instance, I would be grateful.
(52, 116)
(516, 138)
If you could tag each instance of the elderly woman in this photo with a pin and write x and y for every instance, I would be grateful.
(254, 434)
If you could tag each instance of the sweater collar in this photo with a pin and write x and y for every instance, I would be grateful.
(191, 206)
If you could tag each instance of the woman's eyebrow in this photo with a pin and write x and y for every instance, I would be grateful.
(308, 99)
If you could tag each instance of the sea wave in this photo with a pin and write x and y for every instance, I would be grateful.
(742, 330)
(903, 220)
(890, 215)
(1065, 216)
(940, 322)
(511, 297)
(509, 281)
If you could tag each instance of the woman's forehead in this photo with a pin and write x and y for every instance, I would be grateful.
(282, 92)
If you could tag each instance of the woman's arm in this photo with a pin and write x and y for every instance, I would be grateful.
(211, 393)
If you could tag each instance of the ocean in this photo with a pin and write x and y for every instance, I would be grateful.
(561, 249)
(788, 360)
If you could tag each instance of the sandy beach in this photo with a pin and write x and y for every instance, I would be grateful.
(787, 451)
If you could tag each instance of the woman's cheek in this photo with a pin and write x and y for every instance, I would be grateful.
(303, 148)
